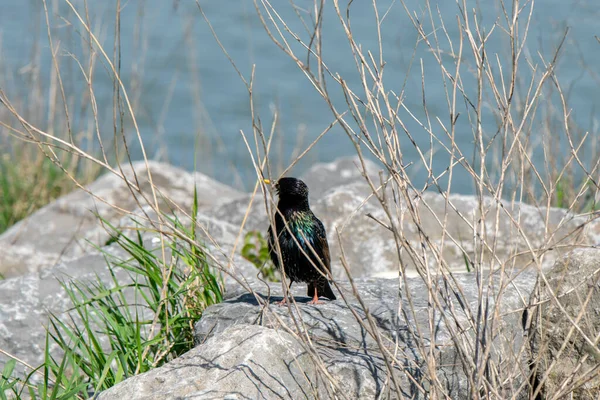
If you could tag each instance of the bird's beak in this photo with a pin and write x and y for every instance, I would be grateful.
(267, 181)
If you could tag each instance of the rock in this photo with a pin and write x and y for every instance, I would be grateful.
(27, 300)
(61, 230)
(251, 212)
(351, 357)
(321, 177)
(245, 362)
(51, 244)
(370, 248)
(540, 227)
(567, 307)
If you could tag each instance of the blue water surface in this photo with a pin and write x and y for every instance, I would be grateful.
(191, 105)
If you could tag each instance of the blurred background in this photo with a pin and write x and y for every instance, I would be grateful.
(191, 104)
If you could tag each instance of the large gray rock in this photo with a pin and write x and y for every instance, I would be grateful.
(245, 362)
(61, 230)
(247, 210)
(321, 177)
(51, 245)
(370, 248)
(450, 224)
(27, 300)
(49, 242)
(564, 327)
(354, 364)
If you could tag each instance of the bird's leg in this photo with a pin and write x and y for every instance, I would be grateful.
(315, 299)
(282, 302)
(285, 296)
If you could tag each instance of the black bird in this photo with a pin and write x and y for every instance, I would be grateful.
(304, 236)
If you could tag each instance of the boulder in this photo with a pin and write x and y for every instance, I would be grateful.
(564, 326)
(245, 362)
(370, 249)
(348, 362)
(64, 229)
(27, 300)
(52, 245)
(321, 177)
(57, 243)
(248, 210)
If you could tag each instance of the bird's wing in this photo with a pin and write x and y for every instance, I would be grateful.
(322, 247)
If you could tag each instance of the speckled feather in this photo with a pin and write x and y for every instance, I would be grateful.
(304, 235)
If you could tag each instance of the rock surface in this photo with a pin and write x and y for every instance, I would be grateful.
(245, 362)
(370, 248)
(564, 332)
(43, 257)
(339, 332)
(27, 300)
(354, 364)
(321, 177)
(51, 244)
(61, 230)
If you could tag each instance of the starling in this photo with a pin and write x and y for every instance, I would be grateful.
(303, 243)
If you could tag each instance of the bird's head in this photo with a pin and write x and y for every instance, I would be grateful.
(291, 190)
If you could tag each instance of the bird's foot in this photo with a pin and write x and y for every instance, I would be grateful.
(315, 301)
(282, 302)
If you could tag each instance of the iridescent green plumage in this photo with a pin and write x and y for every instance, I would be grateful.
(302, 225)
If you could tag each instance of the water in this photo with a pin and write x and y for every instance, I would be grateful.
(191, 104)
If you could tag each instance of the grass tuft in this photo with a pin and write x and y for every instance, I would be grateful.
(140, 319)
(256, 251)
(30, 181)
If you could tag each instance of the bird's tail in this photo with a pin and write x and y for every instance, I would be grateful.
(323, 289)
